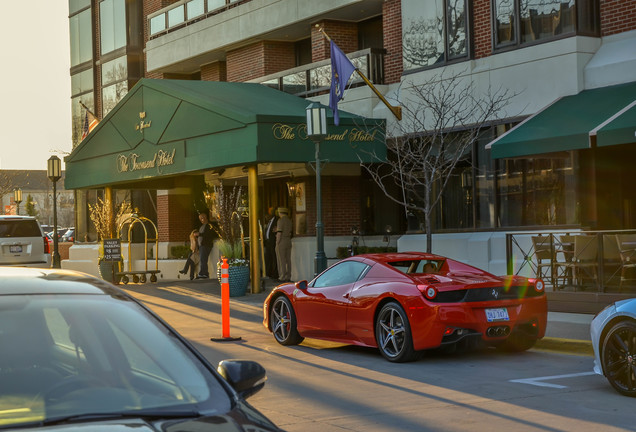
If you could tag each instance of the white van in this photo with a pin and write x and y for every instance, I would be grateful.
(23, 243)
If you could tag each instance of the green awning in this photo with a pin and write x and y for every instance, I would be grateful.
(618, 129)
(164, 128)
(565, 124)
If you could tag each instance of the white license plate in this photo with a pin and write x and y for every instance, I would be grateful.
(15, 249)
(499, 314)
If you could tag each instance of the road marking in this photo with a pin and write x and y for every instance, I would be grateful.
(539, 380)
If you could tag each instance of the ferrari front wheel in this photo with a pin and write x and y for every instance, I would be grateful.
(618, 356)
(283, 322)
(393, 333)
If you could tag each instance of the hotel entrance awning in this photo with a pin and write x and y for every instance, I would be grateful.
(164, 128)
(567, 124)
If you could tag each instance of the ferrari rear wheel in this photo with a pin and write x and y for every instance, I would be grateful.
(283, 322)
(619, 357)
(393, 333)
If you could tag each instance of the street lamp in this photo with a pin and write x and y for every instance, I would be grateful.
(317, 130)
(17, 197)
(54, 172)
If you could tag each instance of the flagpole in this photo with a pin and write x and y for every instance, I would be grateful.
(86, 108)
(396, 110)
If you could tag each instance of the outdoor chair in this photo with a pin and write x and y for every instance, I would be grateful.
(626, 244)
(583, 265)
(544, 254)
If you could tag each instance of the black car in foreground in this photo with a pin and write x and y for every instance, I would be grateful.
(77, 353)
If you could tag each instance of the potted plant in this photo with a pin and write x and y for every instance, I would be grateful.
(226, 212)
(106, 219)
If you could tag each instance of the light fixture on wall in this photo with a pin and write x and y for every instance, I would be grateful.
(292, 187)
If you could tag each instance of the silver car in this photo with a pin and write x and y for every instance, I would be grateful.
(23, 243)
(613, 333)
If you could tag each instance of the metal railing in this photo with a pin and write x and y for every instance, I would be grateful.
(575, 260)
(315, 78)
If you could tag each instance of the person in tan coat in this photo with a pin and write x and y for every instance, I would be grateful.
(283, 244)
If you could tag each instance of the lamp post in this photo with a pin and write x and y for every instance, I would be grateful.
(54, 172)
(17, 197)
(317, 130)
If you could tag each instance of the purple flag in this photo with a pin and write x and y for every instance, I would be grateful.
(341, 70)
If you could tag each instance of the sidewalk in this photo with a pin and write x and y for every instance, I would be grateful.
(566, 332)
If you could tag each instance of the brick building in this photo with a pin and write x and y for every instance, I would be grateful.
(547, 53)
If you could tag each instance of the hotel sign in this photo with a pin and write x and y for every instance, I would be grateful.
(134, 162)
(285, 132)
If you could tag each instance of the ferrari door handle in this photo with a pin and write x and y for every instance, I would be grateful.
(346, 295)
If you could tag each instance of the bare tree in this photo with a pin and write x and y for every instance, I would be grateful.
(442, 119)
(6, 186)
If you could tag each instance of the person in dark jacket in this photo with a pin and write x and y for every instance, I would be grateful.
(206, 241)
(271, 265)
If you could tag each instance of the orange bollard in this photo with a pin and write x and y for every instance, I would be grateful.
(225, 304)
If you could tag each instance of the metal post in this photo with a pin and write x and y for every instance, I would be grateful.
(320, 262)
(56, 253)
(252, 189)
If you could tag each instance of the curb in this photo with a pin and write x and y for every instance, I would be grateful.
(565, 346)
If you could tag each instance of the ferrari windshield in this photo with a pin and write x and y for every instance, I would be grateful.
(71, 355)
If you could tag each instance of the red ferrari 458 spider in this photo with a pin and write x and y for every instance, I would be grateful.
(403, 303)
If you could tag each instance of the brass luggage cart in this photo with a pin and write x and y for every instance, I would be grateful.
(139, 276)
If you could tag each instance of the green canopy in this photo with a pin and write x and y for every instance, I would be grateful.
(565, 124)
(618, 129)
(167, 127)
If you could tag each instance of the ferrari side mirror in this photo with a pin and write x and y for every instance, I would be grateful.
(301, 284)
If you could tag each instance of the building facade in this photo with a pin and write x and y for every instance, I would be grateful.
(541, 51)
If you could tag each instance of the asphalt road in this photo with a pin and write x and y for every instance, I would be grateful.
(319, 386)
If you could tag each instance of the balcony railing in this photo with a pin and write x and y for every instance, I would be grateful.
(599, 261)
(186, 12)
(315, 78)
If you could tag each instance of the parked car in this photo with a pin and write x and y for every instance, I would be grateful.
(613, 333)
(80, 354)
(69, 235)
(23, 243)
(406, 302)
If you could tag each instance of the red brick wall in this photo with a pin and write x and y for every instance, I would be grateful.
(617, 16)
(174, 217)
(482, 28)
(216, 71)
(340, 204)
(392, 25)
(344, 34)
(259, 59)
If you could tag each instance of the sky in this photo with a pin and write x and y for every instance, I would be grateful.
(35, 84)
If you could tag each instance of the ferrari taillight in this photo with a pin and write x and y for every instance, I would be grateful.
(539, 285)
(429, 292)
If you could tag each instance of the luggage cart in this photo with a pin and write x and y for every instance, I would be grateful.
(139, 276)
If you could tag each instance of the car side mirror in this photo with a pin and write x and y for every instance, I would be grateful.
(301, 284)
(245, 376)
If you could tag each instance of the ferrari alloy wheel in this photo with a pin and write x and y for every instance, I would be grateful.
(283, 322)
(618, 356)
(393, 333)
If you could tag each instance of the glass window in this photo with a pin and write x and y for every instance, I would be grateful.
(82, 82)
(112, 20)
(344, 273)
(157, 24)
(215, 4)
(176, 16)
(112, 94)
(114, 70)
(433, 32)
(77, 5)
(195, 8)
(81, 37)
(295, 83)
(528, 21)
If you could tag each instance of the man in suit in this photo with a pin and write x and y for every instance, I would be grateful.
(206, 241)
(271, 261)
(283, 244)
